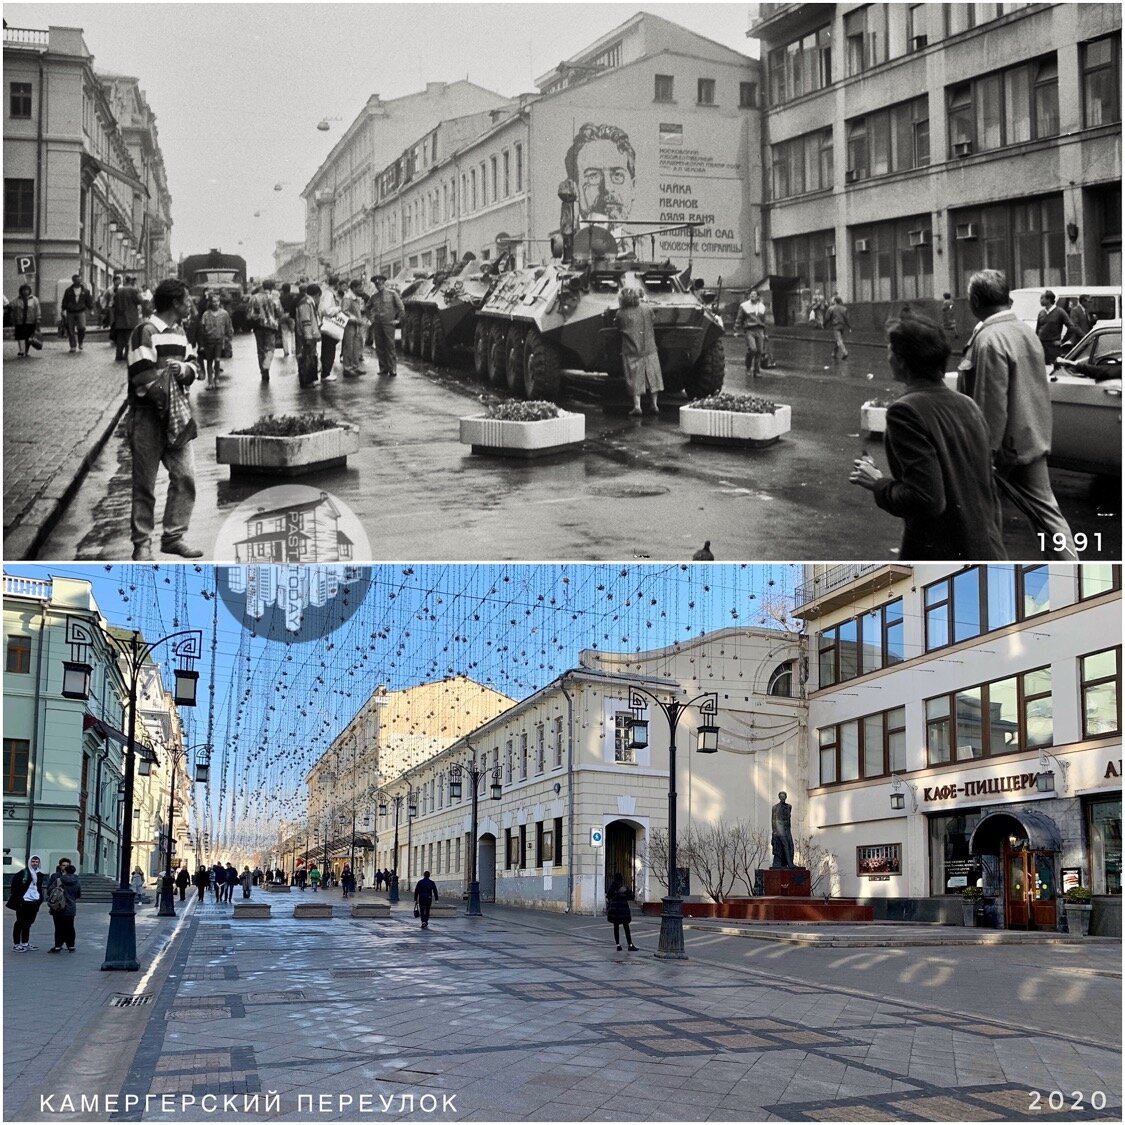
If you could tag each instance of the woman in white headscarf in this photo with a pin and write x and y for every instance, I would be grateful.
(25, 897)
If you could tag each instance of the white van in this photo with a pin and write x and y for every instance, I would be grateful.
(1104, 301)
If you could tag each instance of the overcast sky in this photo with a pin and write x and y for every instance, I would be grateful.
(238, 89)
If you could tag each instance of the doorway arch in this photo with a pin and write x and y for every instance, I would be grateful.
(1027, 845)
(622, 851)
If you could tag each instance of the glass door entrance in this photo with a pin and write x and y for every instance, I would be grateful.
(1029, 889)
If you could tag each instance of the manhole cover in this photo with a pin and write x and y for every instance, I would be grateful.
(628, 491)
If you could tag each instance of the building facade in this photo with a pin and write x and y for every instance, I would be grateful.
(340, 194)
(657, 125)
(63, 758)
(965, 730)
(907, 145)
(578, 802)
(83, 192)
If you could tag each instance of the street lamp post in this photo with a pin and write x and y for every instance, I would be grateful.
(411, 811)
(671, 943)
(474, 773)
(121, 941)
(167, 885)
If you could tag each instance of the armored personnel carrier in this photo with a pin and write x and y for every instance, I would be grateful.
(538, 320)
(440, 309)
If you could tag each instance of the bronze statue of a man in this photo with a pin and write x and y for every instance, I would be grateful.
(781, 820)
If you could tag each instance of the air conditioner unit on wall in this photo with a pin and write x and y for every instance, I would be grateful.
(861, 246)
(966, 232)
(918, 42)
(919, 238)
(963, 148)
(851, 175)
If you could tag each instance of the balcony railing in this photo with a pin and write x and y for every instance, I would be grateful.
(25, 37)
(832, 579)
(16, 587)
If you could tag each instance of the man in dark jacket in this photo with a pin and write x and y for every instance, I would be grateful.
(67, 877)
(425, 894)
(76, 303)
(230, 875)
(126, 315)
(202, 880)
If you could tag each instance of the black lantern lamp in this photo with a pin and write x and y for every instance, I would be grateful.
(496, 789)
(1045, 781)
(454, 785)
(202, 772)
(412, 809)
(76, 679)
(186, 687)
(145, 760)
(898, 801)
(382, 808)
(708, 739)
(638, 733)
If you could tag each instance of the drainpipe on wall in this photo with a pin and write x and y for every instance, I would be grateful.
(33, 760)
(569, 796)
(39, 195)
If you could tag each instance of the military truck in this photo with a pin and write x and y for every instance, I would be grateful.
(538, 320)
(221, 273)
(441, 309)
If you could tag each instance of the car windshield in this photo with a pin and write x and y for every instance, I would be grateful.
(1096, 346)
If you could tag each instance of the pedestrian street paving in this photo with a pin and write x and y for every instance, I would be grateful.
(524, 1016)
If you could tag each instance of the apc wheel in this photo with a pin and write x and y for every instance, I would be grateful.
(706, 377)
(497, 354)
(480, 350)
(413, 331)
(542, 372)
(514, 369)
(426, 331)
(438, 352)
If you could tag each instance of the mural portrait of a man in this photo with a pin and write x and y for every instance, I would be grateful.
(601, 161)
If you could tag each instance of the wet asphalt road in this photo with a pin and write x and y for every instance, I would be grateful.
(638, 489)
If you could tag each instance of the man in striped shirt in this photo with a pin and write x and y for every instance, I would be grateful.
(160, 424)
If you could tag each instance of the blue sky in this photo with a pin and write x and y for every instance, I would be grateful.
(270, 708)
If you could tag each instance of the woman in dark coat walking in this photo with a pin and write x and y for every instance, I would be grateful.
(25, 897)
(183, 880)
(202, 880)
(64, 919)
(618, 911)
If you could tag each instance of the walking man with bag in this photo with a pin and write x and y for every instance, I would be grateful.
(126, 315)
(264, 315)
(836, 318)
(160, 424)
(1003, 370)
(425, 895)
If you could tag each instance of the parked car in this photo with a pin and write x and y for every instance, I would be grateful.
(1085, 390)
(1104, 301)
(1086, 403)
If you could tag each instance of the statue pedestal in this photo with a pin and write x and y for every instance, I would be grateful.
(792, 882)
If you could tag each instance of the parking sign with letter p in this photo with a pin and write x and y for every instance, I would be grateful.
(25, 263)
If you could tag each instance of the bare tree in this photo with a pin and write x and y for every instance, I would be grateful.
(818, 859)
(751, 846)
(711, 856)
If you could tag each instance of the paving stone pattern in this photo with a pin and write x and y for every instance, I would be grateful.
(526, 1018)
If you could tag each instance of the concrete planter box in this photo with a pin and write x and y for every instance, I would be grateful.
(371, 910)
(873, 419)
(249, 911)
(444, 910)
(497, 438)
(276, 888)
(312, 910)
(287, 456)
(727, 427)
(1078, 919)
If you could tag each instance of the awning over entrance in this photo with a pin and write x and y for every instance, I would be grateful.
(364, 842)
(992, 832)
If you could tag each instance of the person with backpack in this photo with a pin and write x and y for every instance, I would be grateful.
(63, 892)
(425, 895)
(25, 897)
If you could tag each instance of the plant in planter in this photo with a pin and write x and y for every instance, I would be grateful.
(971, 898)
(514, 428)
(287, 445)
(735, 419)
(1078, 910)
(873, 415)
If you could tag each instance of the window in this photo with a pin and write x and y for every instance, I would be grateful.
(892, 140)
(507, 173)
(16, 754)
(1098, 578)
(19, 99)
(811, 257)
(1101, 693)
(781, 681)
(878, 859)
(799, 165)
(472, 189)
(706, 91)
(916, 32)
(800, 67)
(540, 748)
(747, 95)
(1103, 830)
(509, 757)
(861, 645)
(1101, 82)
(523, 756)
(980, 599)
(893, 261)
(545, 846)
(622, 735)
(513, 849)
(19, 205)
(874, 746)
(494, 164)
(1004, 108)
(663, 86)
(519, 167)
(558, 759)
(558, 841)
(1025, 238)
(19, 654)
(1019, 713)
(865, 37)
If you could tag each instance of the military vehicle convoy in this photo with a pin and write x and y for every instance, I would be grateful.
(440, 309)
